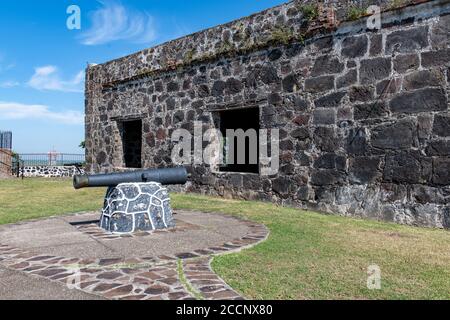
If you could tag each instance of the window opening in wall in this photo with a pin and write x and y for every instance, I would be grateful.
(241, 147)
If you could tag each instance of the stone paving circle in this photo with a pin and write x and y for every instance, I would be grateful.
(172, 264)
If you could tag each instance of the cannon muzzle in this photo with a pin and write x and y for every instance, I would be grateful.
(164, 176)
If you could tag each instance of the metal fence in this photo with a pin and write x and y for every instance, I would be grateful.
(51, 159)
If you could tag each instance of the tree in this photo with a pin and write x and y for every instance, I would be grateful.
(83, 145)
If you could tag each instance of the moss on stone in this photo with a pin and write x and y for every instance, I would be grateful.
(310, 11)
(354, 13)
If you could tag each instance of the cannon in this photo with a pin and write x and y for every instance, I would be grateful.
(135, 201)
(166, 176)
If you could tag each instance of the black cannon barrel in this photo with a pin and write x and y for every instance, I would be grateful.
(164, 176)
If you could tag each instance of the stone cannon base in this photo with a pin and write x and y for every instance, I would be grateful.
(133, 207)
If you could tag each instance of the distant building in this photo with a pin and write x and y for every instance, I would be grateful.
(6, 140)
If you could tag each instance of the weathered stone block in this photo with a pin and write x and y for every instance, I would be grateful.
(356, 142)
(330, 161)
(426, 194)
(364, 169)
(361, 94)
(324, 116)
(347, 79)
(323, 177)
(281, 185)
(439, 33)
(438, 148)
(173, 86)
(332, 100)
(402, 168)
(268, 74)
(407, 40)
(303, 193)
(370, 110)
(406, 62)
(435, 58)
(423, 100)
(376, 44)
(398, 135)
(300, 134)
(290, 83)
(325, 139)
(441, 171)
(441, 125)
(234, 86)
(388, 87)
(218, 88)
(423, 78)
(355, 46)
(374, 69)
(327, 64)
(319, 84)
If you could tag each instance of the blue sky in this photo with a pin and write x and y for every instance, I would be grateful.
(42, 62)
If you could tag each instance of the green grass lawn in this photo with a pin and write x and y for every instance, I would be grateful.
(36, 198)
(307, 256)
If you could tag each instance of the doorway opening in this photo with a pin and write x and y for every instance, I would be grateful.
(132, 143)
(240, 131)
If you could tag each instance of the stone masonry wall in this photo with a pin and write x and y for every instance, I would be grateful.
(50, 171)
(317, 78)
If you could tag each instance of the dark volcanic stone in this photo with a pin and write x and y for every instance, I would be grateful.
(364, 169)
(355, 46)
(374, 69)
(234, 86)
(325, 139)
(347, 79)
(435, 58)
(407, 40)
(172, 86)
(275, 54)
(376, 44)
(319, 84)
(403, 63)
(440, 32)
(423, 78)
(300, 133)
(281, 185)
(324, 116)
(441, 125)
(441, 171)
(360, 94)
(325, 177)
(398, 135)
(327, 65)
(332, 100)
(423, 100)
(330, 161)
(356, 142)
(268, 75)
(370, 110)
(290, 83)
(101, 158)
(402, 168)
(218, 88)
(203, 91)
(438, 148)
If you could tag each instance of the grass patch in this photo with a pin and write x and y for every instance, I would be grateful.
(186, 283)
(307, 256)
(314, 256)
(37, 198)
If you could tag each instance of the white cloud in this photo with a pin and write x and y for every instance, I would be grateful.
(47, 78)
(17, 111)
(114, 22)
(9, 84)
